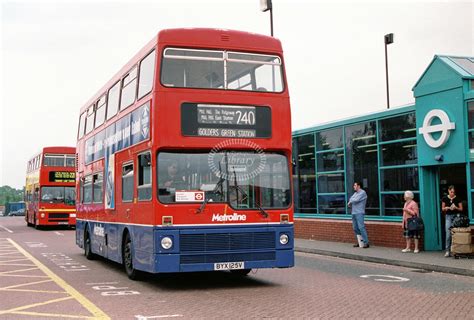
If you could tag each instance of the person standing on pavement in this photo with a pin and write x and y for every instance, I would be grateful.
(450, 207)
(357, 203)
(410, 210)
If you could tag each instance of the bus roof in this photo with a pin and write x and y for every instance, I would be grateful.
(195, 37)
(220, 38)
(59, 149)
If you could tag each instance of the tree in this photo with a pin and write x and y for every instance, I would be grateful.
(9, 194)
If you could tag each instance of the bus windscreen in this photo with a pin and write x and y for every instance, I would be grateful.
(245, 180)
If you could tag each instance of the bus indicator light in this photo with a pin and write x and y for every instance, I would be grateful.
(167, 221)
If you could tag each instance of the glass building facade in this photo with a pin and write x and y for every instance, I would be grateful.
(380, 153)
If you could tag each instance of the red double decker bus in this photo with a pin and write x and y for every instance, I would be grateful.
(50, 193)
(184, 157)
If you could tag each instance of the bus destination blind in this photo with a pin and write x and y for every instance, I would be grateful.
(225, 121)
(62, 176)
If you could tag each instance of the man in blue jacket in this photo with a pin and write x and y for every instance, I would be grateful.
(357, 203)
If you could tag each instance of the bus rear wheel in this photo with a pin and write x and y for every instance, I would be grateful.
(127, 257)
(87, 247)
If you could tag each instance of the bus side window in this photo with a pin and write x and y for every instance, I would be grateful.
(144, 176)
(100, 112)
(98, 181)
(90, 119)
(82, 124)
(113, 100)
(127, 182)
(87, 189)
(147, 72)
(81, 190)
(129, 89)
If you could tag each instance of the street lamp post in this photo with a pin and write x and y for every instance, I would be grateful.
(266, 5)
(388, 39)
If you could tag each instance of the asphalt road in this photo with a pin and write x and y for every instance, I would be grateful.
(43, 274)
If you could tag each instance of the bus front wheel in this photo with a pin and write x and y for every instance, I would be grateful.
(35, 223)
(132, 273)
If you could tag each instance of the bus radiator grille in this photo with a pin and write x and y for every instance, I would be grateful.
(58, 215)
(210, 242)
(230, 257)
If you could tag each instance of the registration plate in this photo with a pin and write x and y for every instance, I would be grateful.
(228, 265)
(63, 222)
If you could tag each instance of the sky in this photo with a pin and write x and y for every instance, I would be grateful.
(56, 54)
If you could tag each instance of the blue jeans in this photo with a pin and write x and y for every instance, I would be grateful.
(449, 223)
(359, 227)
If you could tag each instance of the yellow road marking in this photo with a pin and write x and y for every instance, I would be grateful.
(7, 253)
(15, 260)
(26, 284)
(18, 270)
(63, 284)
(22, 276)
(37, 314)
(35, 305)
(37, 291)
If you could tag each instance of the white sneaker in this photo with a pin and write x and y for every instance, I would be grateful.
(406, 250)
(447, 254)
(416, 251)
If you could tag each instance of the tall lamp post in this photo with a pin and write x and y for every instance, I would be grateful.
(266, 5)
(388, 39)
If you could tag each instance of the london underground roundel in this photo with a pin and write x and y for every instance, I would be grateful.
(444, 128)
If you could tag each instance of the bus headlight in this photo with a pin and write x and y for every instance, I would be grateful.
(166, 243)
(284, 238)
(43, 215)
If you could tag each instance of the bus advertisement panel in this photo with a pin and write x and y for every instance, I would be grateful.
(193, 137)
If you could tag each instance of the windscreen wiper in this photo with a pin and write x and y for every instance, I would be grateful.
(257, 204)
(214, 191)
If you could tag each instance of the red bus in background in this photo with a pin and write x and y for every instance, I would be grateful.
(50, 193)
(184, 157)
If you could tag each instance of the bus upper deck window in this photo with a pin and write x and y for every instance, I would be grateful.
(208, 69)
(193, 68)
(90, 119)
(100, 112)
(129, 89)
(147, 68)
(113, 100)
(82, 124)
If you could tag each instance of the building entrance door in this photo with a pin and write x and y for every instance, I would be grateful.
(451, 175)
(434, 183)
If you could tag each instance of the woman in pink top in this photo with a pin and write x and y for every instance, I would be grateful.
(410, 209)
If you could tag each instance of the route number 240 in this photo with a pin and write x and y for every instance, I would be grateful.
(246, 117)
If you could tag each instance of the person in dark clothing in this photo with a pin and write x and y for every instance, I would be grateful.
(450, 206)
(172, 178)
(170, 181)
